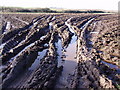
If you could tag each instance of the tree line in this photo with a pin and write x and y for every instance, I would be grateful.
(44, 10)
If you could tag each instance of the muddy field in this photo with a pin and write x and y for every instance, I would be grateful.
(60, 51)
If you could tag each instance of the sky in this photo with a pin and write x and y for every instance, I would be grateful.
(67, 4)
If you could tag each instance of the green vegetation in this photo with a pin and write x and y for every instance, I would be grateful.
(44, 10)
(27, 10)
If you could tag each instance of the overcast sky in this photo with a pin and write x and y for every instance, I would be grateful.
(68, 4)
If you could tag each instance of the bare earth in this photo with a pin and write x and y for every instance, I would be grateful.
(60, 51)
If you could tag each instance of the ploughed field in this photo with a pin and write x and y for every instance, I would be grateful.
(60, 51)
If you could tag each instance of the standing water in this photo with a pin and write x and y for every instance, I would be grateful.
(37, 61)
(67, 59)
(69, 62)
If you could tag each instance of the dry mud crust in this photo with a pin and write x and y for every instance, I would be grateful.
(92, 72)
(109, 40)
(106, 40)
(18, 20)
(22, 45)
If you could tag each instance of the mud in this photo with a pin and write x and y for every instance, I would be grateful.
(60, 51)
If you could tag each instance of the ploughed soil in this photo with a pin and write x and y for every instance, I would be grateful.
(60, 51)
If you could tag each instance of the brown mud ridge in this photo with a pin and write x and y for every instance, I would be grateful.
(60, 51)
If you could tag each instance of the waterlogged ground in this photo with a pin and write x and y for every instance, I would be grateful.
(60, 51)
(67, 58)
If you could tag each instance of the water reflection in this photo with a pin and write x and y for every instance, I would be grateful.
(66, 58)
(112, 66)
(37, 61)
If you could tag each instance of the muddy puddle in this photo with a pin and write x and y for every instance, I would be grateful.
(37, 60)
(66, 58)
(26, 74)
(112, 66)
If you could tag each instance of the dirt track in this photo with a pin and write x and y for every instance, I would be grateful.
(60, 51)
